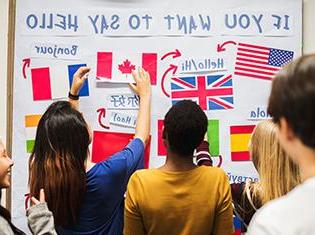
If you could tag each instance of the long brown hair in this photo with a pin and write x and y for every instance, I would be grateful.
(57, 162)
(277, 172)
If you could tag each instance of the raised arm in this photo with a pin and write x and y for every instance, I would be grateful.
(77, 83)
(143, 89)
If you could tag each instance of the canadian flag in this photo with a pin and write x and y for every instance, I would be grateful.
(118, 67)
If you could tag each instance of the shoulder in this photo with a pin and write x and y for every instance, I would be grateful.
(144, 174)
(213, 172)
(278, 212)
(5, 228)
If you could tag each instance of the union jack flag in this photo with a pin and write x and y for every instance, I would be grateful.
(260, 62)
(211, 92)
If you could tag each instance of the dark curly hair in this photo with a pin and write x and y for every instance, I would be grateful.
(293, 98)
(185, 125)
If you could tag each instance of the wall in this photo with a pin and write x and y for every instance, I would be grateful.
(308, 26)
(308, 47)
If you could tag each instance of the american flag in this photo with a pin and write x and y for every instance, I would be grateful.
(260, 62)
(212, 92)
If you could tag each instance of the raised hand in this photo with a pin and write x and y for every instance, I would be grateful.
(78, 80)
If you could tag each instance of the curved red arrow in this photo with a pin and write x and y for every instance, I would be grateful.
(175, 54)
(172, 67)
(221, 48)
(26, 63)
(101, 115)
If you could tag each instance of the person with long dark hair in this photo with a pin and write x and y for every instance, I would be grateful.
(40, 219)
(85, 198)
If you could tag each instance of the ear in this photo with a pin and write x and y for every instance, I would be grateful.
(285, 131)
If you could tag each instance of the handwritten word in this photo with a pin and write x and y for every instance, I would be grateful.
(188, 24)
(259, 113)
(51, 21)
(243, 21)
(122, 119)
(123, 101)
(203, 64)
(240, 178)
(54, 51)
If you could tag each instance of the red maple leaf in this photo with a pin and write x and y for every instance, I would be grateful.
(126, 67)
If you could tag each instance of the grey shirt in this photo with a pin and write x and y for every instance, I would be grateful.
(40, 221)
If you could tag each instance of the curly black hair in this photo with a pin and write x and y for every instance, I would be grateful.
(185, 125)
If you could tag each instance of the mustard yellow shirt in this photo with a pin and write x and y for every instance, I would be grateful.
(195, 202)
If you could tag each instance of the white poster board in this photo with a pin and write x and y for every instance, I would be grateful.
(221, 54)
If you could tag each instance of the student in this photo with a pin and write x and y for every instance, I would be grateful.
(180, 198)
(85, 198)
(291, 105)
(40, 219)
(266, 153)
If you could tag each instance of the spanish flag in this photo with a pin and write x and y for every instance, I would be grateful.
(240, 136)
(31, 123)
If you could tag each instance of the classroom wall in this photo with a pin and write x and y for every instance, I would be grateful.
(4, 6)
(308, 26)
(308, 47)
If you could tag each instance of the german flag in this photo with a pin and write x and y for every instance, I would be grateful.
(240, 136)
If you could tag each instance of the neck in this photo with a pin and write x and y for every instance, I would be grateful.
(307, 163)
(175, 162)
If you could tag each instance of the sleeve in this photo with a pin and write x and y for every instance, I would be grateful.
(203, 155)
(41, 220)
(260, 226)
(223, 223)
(133, 223)
(135, 156)
(127, 161)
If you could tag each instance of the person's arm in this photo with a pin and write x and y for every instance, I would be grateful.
(40, 219)
(202, 155)
(133, 222)
(143, 89)
(223, 222)
(77, 83)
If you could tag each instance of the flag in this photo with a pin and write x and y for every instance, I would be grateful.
(259, 61)
(118, 67)
(31, 122)
(212, 135)
(161, 147)
(237, 226)
(41, 83)
(211, 92)
(240, 136)
(71, 71)
(106, 144)
(54, 82)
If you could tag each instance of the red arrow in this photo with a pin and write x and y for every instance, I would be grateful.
(101, 115)
(26, 63)
(221, 48)
(172, 67)
(175, 54)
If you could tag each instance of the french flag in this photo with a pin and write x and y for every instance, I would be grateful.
(54, 82)
(117, 67)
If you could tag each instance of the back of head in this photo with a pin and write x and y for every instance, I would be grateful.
(57, 163)
(277, 172)
(185, 125)
(293, 98)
